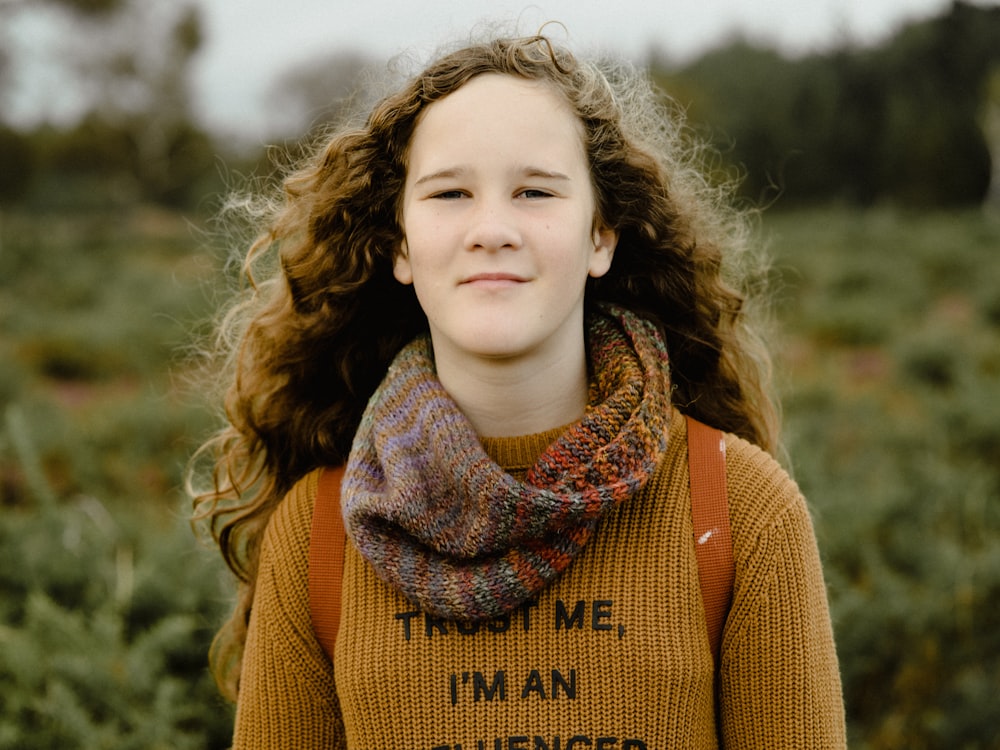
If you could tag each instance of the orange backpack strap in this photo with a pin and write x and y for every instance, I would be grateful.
(326, 559)
(713, 543)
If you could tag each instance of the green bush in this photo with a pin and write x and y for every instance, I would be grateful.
(105, 620)
(895, 440)
(107, 602)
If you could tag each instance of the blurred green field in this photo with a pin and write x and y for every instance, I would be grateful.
(888, 360)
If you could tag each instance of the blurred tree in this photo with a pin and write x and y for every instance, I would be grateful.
(900, 122)
(857, 122)
(990, 116)
(934, 75)
(128, 62)
(318, 92)
(18, 165)
(91, 7)
(136, 71)
(768, 114)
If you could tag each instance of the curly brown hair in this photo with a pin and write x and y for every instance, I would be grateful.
(307, 347)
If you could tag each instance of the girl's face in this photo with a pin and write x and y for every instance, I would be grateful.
(498, 221)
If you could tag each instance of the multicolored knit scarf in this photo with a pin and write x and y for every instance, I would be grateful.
(458, 536)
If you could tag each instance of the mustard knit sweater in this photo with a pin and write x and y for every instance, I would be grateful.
(613, 656)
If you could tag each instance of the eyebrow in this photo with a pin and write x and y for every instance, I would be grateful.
(451, 172)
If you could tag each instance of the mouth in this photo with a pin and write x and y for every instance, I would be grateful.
(499, 278)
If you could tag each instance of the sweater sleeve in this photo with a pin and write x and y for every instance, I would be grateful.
(287, 695)
(780, 681)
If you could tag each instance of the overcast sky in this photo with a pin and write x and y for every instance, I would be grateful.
(250, 41)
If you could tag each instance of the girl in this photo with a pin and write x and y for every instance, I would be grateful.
(492, 304)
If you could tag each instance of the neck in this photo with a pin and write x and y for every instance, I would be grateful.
(509, 398)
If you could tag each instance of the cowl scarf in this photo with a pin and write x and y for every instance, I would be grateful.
(448, 527)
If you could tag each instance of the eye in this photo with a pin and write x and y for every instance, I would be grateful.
(449, 195)
(534, 193)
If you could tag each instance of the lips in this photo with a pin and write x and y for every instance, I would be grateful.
(494, 278)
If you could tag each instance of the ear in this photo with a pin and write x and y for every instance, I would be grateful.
(605, 242)
(401, 265)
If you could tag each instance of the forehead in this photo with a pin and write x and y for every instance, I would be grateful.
(494, 111)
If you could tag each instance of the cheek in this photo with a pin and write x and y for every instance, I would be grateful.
(421, 270)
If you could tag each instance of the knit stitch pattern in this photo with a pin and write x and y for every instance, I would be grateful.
(456, 534)
(646, 678)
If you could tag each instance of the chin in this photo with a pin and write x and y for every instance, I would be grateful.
(490, 343)
(496, 349)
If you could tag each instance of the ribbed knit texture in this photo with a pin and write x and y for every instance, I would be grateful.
(627, 669)
(442, 522)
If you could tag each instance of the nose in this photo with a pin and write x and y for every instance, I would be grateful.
(493, 226)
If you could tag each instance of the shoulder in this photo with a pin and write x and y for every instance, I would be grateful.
(290, 526)
(761, 494)
(758, 485)
(282, 585)
(766, 507)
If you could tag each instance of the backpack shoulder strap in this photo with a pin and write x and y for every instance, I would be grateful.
(713, 543)
(326, 559)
